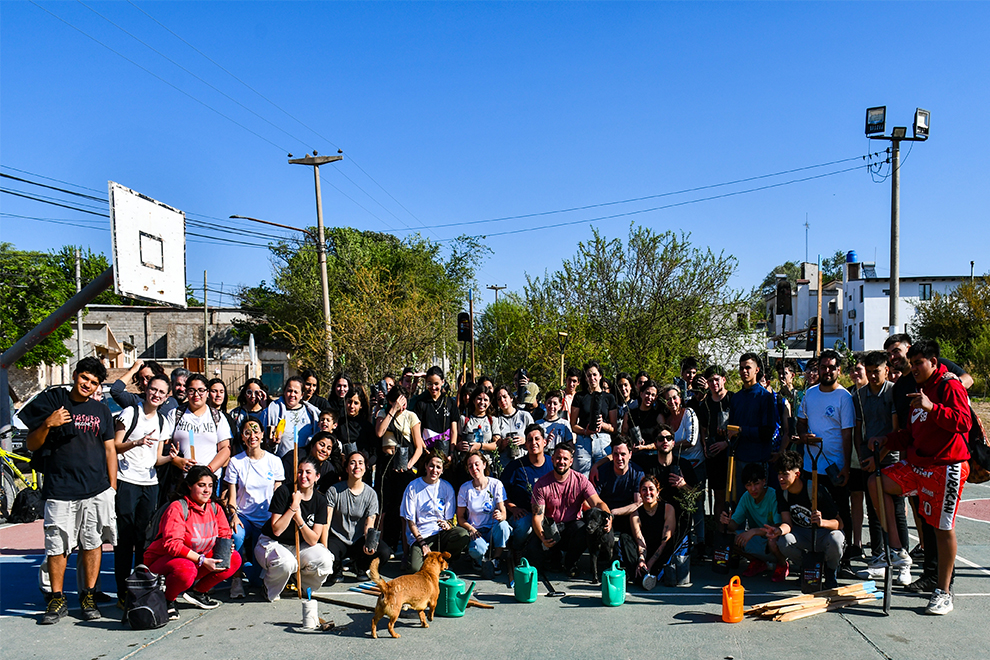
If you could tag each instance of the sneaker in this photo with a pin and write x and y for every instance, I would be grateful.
(878, 560)
(902, 576)
(917, 552)
(173, 611)
(649, 581)
(922, 585)
(900, 558)
(200, 600)
(872, 573)
(498, 566)
(90, 612)
(846, 572)
(755, 568)
(55, 610)
(100, 597)
(780, 572)
(237, 588)
(940, 603)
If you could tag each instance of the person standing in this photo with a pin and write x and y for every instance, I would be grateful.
(73, 437)
(301, 418)
(752, 410)
(828, 413)
(593, 417)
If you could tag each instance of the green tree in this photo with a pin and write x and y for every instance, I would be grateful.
(640, 304)
(960, 319)
(392, 301)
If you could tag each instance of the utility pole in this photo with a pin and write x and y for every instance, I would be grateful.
(474, 376)
(206, 333)
(496, 289)
(316, 161)
(875, 122)
(79, 327)
(818, 321)
(806, 227)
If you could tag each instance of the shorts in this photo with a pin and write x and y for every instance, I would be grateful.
(86, 524)
(939, 489)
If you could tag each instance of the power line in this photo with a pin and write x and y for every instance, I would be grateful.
(655, 196)
(668, 206)
(43, 185)
(48, 178)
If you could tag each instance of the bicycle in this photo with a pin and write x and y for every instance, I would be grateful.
(11, 475)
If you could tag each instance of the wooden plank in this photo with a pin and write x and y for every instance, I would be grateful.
(343, 603)
(801, 614)
(841, 591)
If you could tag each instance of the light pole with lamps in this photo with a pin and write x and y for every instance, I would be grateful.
(875, 123)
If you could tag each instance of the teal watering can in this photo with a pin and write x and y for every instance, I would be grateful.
(453, 595)
(614, 586)
(525, 579)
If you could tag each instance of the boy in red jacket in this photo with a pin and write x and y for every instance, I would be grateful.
(934, 460)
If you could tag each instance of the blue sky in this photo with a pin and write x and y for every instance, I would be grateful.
(458, 112)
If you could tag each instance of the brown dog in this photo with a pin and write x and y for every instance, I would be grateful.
(418, 591)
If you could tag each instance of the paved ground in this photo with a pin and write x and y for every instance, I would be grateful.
(682, 623)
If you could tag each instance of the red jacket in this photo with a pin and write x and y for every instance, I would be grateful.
(197, 533)
(937, 437)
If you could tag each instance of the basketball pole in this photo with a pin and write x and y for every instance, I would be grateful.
(37, 334)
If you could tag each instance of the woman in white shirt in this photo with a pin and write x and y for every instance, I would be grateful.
(428, 507)
(201, 434)
(140, 431)
(481, 511)
(509, 428)
(252, 477)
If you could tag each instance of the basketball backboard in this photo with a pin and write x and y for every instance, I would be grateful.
(149, 247)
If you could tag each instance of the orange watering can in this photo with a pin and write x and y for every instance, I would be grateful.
(732, 601)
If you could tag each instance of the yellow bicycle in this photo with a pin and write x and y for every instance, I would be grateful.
(12, 477)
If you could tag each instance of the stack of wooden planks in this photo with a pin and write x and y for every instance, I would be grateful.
(800, 607)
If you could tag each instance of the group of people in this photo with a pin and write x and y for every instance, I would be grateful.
(290, 489)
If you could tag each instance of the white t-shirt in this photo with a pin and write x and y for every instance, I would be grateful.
(204, 433)
(255, 484)
(426, 505)
(828, 413)
(481, 504)
(556, 432)
(137, 465)
(300, 424)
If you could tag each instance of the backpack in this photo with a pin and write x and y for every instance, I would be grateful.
(28, 506)
(979, 448)
(139, 410)
(154, 531)
(145, 607)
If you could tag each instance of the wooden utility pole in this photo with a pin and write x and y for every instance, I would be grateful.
(821, 326)
(496, 289)
(474, 376)
(206, 333)
(321, 243)
(79, 315)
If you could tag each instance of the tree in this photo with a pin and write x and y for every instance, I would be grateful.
(393, 302)
(642, 304)
(960, 321)
(35, 284)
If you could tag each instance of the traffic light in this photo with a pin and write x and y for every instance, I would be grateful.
(463, 327)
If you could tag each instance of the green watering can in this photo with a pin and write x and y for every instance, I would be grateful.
(453, 596)
(614, 586)
(525, 579)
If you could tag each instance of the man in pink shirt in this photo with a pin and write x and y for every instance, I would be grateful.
(558, 498)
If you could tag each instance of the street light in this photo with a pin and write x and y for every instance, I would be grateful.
(875, 121)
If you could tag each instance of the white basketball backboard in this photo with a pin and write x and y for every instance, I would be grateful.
(149, 247)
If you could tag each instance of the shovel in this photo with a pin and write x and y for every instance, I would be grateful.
(813, 564)
(725, 540)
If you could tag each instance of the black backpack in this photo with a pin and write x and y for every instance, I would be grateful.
(145, 607)
(28, 506)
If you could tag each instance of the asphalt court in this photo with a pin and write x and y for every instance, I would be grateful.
(682, 622)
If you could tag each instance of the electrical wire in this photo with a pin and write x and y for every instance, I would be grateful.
(667, 206)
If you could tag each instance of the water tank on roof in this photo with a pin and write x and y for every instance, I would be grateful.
(851, 257)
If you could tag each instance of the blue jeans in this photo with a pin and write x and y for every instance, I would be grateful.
(247, 535)
(497, 535)
(521, 527)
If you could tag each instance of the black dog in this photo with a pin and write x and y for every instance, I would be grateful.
(600, 542)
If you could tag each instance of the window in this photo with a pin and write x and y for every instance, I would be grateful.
(860, 329)
(860, 293)
(925, 291)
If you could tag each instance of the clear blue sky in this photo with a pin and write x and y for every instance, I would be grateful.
(466, 112)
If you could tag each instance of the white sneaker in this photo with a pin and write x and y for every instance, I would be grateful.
(902, 576)
(649, 581)
(872, 573)
(877, 560)
(900, 559)
(940, 603)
